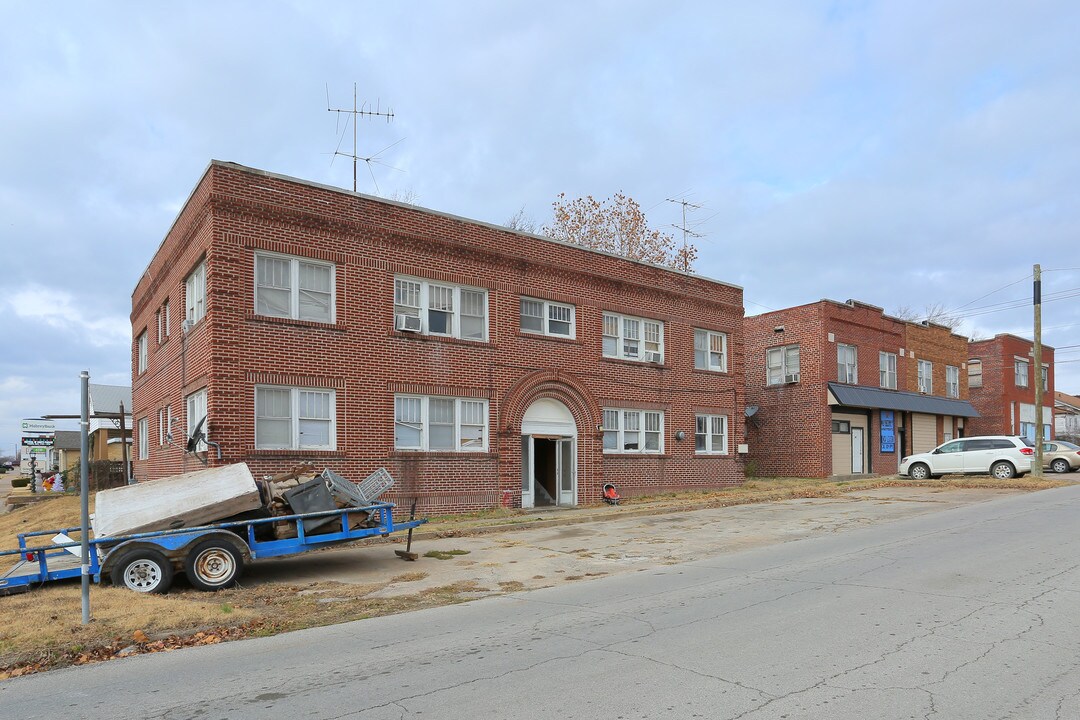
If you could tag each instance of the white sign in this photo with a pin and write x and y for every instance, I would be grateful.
(37, 425)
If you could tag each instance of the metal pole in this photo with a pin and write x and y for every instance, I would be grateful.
(84, 492)
(124, 447)
(1037, 471)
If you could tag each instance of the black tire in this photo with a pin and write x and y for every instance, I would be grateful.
(919, 471)
(145, 571)
(213, 565)
(1003, 470)
(1061, 465)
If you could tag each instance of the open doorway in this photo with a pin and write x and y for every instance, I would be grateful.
(544, 471)
(548, 455)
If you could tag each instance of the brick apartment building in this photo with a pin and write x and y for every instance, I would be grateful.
(1002, 379)
(480, 365)
(842, 389)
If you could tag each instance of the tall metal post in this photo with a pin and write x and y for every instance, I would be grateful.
(84, 492)
(1037, 471)
(124, 447)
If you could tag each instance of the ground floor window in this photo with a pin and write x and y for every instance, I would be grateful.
(440, 423)
(196, 412)
(289, 418)
(710, 436)
(633, 431)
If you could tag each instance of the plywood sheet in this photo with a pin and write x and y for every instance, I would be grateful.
(196, 498)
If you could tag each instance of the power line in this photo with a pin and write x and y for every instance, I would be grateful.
(992, 292)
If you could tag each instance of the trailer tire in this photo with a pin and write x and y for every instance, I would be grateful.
(143, 570)
(213, 565)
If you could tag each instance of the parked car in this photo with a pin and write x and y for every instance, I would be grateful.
(1061, 456)
(1003, 456)
(6, 467)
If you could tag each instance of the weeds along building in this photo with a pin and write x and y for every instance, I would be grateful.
(480, 365)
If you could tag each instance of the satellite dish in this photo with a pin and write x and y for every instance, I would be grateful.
(197, 436)
(751, 410)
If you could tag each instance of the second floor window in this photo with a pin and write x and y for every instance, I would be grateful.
(926, 377)
(632, 338)
(847, 364)
(144, 438)
(435, 309)
(952, 381)
(1046, 379)
(887, 367)
(975, 373)
(710, 350)
(547, 318)
(195, 294)
(1021, 373)
(142, 361)
(782, 364)
(296, 288)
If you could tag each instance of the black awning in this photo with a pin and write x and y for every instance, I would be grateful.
(866, 397)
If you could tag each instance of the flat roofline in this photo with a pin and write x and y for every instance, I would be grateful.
(438, 213)
(460, 218)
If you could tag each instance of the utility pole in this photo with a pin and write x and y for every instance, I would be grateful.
(686, 232)
(356, 112)
(1037, 471)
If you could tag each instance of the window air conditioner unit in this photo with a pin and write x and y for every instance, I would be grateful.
(791, 378)
(407, 323)
(654, 357)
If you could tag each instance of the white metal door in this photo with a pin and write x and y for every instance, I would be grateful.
(565, 471)
(526, 471)
(856, 450)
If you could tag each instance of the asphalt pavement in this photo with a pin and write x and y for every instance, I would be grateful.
(968, 612)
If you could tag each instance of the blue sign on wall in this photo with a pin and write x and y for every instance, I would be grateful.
(888, 434)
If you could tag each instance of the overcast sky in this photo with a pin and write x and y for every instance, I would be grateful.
(902, 154)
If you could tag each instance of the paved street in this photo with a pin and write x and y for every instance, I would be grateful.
(964, 613)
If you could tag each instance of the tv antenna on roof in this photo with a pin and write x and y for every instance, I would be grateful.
(686, 231)
(356, 113)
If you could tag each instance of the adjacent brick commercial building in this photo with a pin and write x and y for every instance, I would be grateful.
(1002, 377)
(481, 366)
(841, 388)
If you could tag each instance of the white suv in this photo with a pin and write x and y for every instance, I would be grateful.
(1003, 456)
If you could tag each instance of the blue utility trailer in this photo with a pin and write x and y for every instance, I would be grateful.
(212, 556)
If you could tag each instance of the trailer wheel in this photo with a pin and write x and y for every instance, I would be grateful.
(145, 571)
(213, 565)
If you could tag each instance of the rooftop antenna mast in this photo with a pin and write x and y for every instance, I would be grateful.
(686, 231)
(356, 112)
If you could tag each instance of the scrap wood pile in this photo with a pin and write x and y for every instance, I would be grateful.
(302, 490)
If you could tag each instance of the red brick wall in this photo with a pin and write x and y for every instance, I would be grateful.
(999, 390)
(237, 211)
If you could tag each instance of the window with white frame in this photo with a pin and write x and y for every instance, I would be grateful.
(633, 431)
(925, 375)
(710, 350)
(782, 364)
(710, 435)
(195, 408)
(887, 370)
(975, 374)
(195, 294)
(1046, 380)
(431, 423)
(547, 318)
(165, 317)
(290, 418)
(1021, 373)
(632, 338)
(952, 381)
(143, 432)
(437, 309)
(164, 424)
(292, 287)
(160, 328)
(142, 349)
(847, 364)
